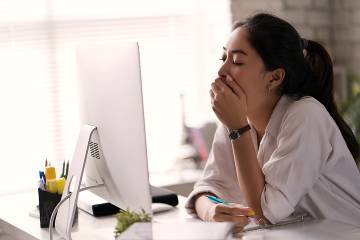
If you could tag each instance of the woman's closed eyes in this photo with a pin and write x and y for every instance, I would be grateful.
(234, 61)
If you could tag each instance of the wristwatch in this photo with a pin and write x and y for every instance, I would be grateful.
(236, 133)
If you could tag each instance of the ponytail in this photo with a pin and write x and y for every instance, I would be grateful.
(322, 81)
(308, 66)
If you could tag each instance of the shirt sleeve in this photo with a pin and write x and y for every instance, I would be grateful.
(303, 147)
(219, 175)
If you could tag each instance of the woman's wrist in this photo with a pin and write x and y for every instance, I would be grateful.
(202, 206)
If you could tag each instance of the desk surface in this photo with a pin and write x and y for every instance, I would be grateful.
(16, 222)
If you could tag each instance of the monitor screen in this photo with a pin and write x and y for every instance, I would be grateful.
(111, 100)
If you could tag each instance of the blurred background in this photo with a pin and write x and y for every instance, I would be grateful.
(180, 44)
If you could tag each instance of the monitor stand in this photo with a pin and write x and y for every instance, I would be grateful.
(66, 210)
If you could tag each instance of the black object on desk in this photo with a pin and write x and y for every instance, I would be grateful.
(159, 195)
(47, 204)
(162, 195)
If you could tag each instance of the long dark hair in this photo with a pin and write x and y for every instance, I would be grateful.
(280, 45)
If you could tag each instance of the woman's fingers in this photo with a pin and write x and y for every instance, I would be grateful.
(230, 213)
(234, 86)
(211, 92)
(233, 209)
(240, 220)
(215, 87)
(219, 86)
(226, 85)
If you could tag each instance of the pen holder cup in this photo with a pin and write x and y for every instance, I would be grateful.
(47, 204)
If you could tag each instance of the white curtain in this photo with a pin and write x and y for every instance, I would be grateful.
(180, 42)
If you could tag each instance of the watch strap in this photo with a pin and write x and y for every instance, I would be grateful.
(236, 133)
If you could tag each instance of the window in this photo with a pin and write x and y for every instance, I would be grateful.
(179, 43)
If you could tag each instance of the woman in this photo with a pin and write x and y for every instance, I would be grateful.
(293, 152)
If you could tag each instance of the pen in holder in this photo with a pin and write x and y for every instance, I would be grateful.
(47, 203)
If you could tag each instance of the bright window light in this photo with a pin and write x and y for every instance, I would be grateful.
(180, 42)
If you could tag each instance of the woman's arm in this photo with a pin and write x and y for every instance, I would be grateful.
(250, 176)
(229, 105)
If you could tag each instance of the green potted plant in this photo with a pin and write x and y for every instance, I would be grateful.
(126, 218)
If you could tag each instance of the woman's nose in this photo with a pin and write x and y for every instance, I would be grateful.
(222, 70)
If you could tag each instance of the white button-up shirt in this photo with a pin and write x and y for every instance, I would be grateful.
(305, 161)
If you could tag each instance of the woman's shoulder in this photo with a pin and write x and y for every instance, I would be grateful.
(306, 103)
(307, 112)
(306, 107)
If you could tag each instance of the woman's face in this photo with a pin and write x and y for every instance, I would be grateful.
(242, 63)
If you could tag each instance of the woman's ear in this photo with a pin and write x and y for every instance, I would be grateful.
(276, 78)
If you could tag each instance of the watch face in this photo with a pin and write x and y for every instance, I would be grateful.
(234, 135)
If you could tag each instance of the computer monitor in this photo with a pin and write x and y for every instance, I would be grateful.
(112, 142)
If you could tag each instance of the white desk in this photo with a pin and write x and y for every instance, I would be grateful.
(16, 222)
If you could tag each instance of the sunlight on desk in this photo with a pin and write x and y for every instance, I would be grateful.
(16, 223)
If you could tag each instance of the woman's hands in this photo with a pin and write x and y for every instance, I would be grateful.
(212, 212)
(228, 102)
(229, 213)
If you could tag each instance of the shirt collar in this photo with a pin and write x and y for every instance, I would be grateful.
(274, 123)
